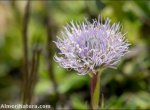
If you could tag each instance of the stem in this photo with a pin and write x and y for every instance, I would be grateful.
(95, 90)
(49, 51)
(25, 44)
(33, 72)
(50, 26)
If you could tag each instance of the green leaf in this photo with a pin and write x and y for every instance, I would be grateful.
(78, 103)
(72, 81)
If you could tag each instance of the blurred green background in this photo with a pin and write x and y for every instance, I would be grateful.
(126, 87)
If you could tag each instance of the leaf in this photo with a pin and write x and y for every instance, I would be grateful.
(72, 81)
(78, 103)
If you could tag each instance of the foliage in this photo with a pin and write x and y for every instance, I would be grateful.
(126, 87)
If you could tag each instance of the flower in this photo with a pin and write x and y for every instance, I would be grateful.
(86, 46)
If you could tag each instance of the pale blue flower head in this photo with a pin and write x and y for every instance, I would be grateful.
(86, 46)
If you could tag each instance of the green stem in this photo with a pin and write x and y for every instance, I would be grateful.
(96, 93)
(95, 90)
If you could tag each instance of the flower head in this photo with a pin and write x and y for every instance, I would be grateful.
(87, 46)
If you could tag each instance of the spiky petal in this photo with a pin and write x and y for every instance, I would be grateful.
(87, 46)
